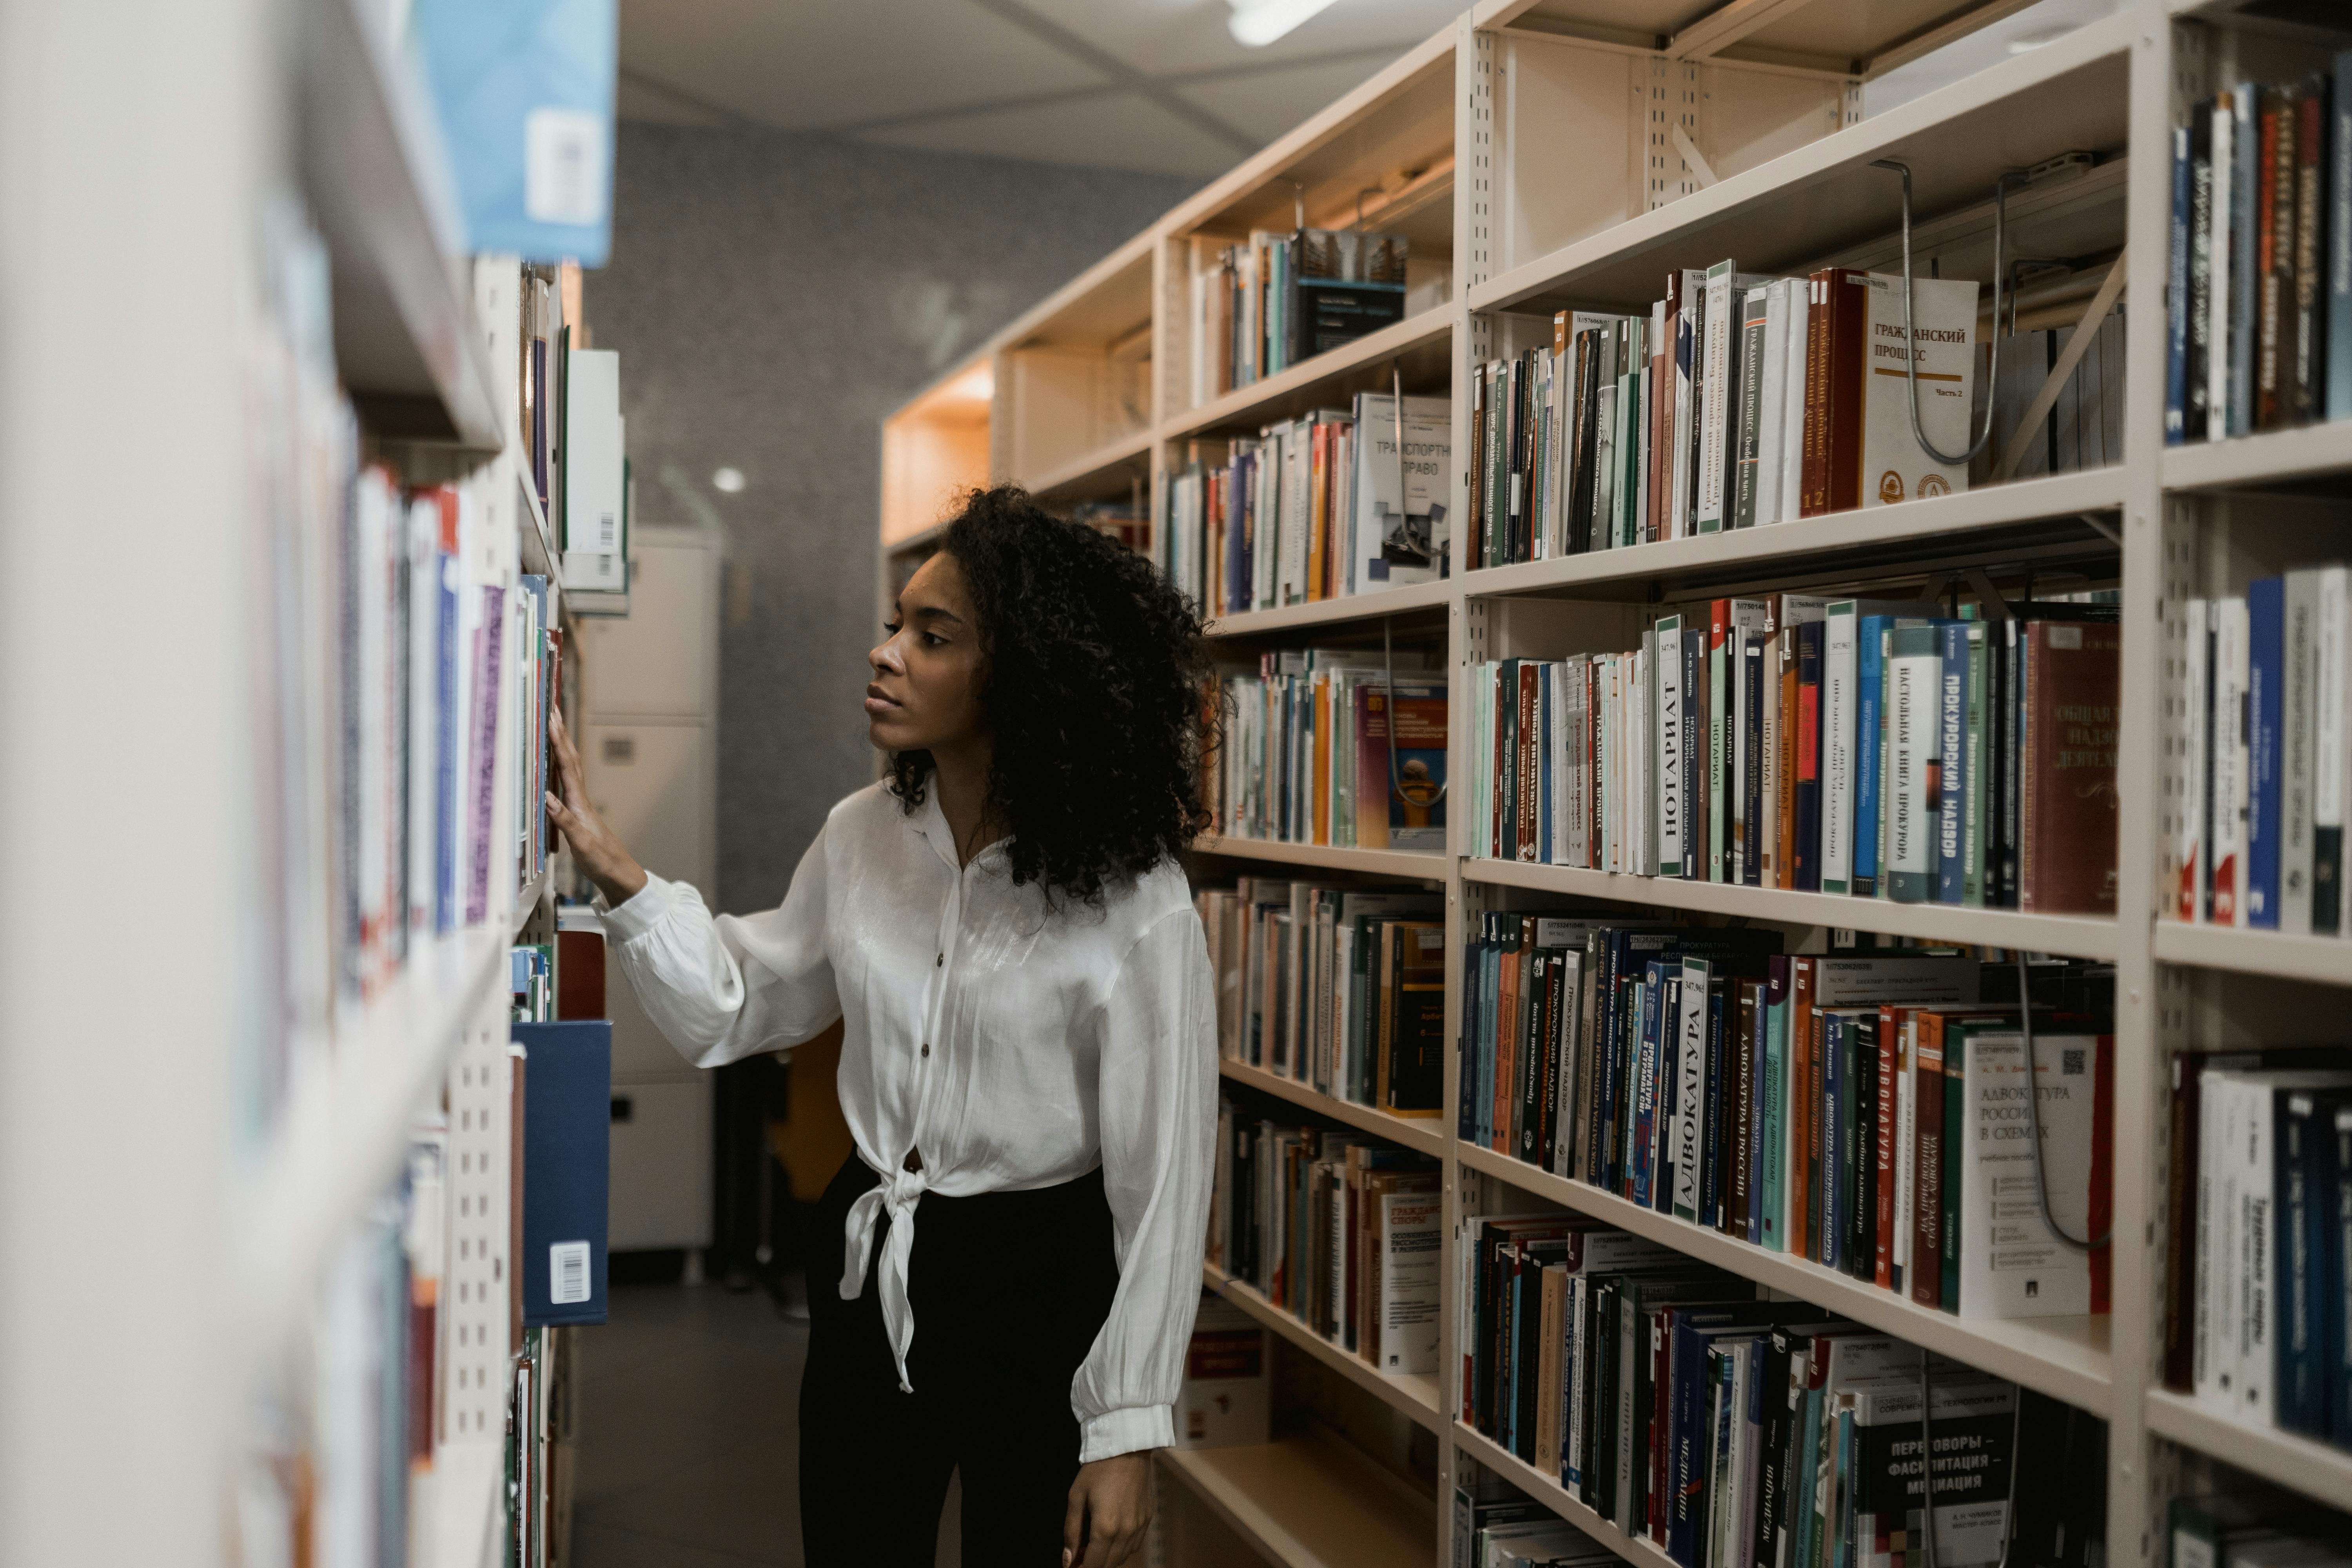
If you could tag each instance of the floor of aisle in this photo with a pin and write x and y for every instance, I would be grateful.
(688, 1442)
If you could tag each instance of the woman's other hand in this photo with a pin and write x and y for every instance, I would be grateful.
(600, 854)
(1110, 1503)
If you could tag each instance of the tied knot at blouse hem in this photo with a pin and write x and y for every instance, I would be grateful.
(1015, 1045)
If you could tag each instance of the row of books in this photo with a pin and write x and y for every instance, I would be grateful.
(1496, 1525)
(2260, 303)
(1316, 508)
(573, 436)
(1330, 746)
(1273, 300)
(2268, 759)
(1340, 989)
(2253, 1527)
(1858, 1113)
(2261, 1211)
(1855, 747)
(1342, 1232)
(1733, 1432)
(1737, 400)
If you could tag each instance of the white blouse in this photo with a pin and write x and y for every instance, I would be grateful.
(1013, 1047)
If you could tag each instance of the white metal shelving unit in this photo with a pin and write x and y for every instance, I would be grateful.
(2159, 524)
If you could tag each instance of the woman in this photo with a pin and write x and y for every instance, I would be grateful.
(1029, 1063)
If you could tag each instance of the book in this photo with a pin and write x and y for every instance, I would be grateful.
(1894, 465)
(2071, 690)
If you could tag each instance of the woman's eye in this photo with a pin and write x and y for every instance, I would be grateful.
(933, 639)
(890, 628)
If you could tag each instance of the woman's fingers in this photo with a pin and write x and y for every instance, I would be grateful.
(1074, 1526)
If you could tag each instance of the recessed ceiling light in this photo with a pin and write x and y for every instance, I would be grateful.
(727, 481)
(1258, 22)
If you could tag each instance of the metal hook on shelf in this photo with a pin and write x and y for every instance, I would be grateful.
(1911, 362)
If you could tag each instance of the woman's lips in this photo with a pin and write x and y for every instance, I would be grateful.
(877, 701)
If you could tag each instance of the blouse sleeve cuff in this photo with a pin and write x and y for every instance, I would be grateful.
(1116, 1432)
(640, 912)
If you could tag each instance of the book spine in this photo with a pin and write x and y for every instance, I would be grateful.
(1914, 788)
(2298, 737)
(2196, 372)
(1751, 707)
(1972, 770)
(2309, 375)
(1839, 669)
(2266, 654)
(1753, 329)
(2332, 762)
(1808, 814)
(2277, 241)
(1925, 1279)
(2176, 373)
(1952, 690)
(2339, 243)
(1847, 350)
(1870, 668)
(1816, 481)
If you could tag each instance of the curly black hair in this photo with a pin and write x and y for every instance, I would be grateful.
(1092, 684)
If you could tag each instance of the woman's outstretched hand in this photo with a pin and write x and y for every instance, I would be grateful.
(1110, 1503)
(600, 854)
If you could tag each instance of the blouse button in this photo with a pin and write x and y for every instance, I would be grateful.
(927, 1048)
(939, 961)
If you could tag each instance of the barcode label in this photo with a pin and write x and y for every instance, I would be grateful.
(567, 1273)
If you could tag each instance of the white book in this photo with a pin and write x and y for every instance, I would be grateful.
(1839, 673)
(1683, 360)
(1690, 1084)
(2195, 762)
(2298, 743)
(1668, 733)
(1718, 327)
(1749, 619)
(2333, 764)
(1555, 774)
(2012, 1265)
(2232, 646)
(1579, 846)
(1297, 484)
(1637, 758)
(1771, 393)
(1895, 467)
(1572, 1059)
(1766, 835)
(424, 709)
(1400, 542)
(1410, 1262)
(1797, 306)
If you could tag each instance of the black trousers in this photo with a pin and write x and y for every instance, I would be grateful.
(1009, 1290)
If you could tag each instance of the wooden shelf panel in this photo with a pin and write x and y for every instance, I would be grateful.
(1306, 1502)
(1413, 1394)
(2326, 958)
(1547, 1490)
(1417, 598)
(1420, 1135)
(1825, 196)
(406, 344)
(1368, 862)
(2316, 1470)
(2065, 1358)
(2248, 462)
(1099, 475)
(1421, 345)
(2077, 936)
(1991, 525)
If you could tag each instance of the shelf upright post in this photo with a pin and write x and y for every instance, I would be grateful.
(135, 146)
(2136, 1348)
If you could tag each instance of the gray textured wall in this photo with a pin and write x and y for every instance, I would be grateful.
(772, 298)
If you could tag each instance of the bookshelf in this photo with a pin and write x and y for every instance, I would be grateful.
(1509, 146)
(209, 1121)
(1413, 1393)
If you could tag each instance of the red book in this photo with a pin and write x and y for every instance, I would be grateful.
(1529, 805)
(2073, 681)
(1813, 494)
(1847, 302)
(1925, 1278)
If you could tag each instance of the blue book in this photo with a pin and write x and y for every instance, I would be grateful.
(1771, 1110)
(2265, 689)
(1952, 694)
(2338, 269)
(567, 1089)
(1688, 1450)
(2302, 1148)
(1870, 669)
(2176, 302)
(2245, 153)
(1645, 1085)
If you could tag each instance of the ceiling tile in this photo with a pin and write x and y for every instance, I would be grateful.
(1163, 38)
(813, 64)
(1266, 104)
(1106, 131)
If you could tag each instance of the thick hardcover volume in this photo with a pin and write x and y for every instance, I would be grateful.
(2074, 675)
(2265, 709)
(1844, 363)
(566, 1105)
(1811, 636)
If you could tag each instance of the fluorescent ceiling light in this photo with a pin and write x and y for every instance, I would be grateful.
(1258, 22)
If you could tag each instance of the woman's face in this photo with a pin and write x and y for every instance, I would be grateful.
(925, 695)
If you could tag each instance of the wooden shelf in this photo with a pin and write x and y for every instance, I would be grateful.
(1088, 477)
(2065, 1358)
(2249, 462)
(1366, 862)
(1413, 1394)
(1422, 345)
(344, 1130)
(1307, 1501)
(1346, 610)
(2077, 936)
(2326, 959)
(1422, 1136)
(406, 344)
(2314, 1470)
(2031, 520)
(1547, 1490)
(1824, 195)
